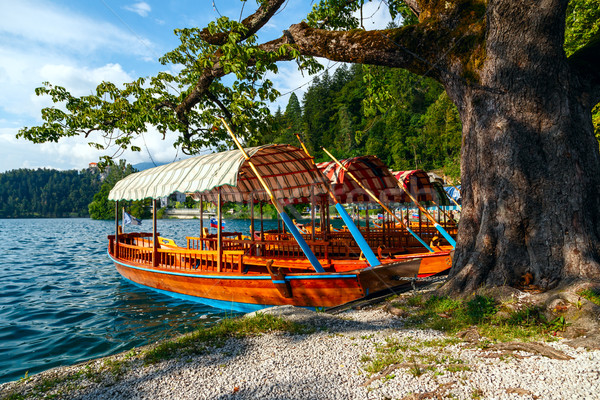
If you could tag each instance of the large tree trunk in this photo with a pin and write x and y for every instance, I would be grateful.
(530, 162)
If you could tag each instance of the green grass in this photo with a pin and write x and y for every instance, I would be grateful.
(494, 321)
(68, 382)
(414, 354)
(216, 335)
(591, 295)
(451, 316)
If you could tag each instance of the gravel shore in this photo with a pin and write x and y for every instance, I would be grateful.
(332, 362)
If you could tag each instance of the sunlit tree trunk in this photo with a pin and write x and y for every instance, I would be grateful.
(530, 162)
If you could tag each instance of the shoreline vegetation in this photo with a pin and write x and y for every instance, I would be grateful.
(413, 346)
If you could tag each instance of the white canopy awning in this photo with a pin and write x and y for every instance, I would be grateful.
(288, 171)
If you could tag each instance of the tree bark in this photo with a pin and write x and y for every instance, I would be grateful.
(530, 162)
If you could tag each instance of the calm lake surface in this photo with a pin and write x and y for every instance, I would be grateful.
(63, 302)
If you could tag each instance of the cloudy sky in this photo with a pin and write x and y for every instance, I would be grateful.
(77, 44)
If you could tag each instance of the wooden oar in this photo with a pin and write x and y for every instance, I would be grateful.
(428, 215)
(354, 231)
(291, 226)
(372, 195)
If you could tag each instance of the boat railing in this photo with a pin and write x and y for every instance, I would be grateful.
(263, 248)
(137, 248)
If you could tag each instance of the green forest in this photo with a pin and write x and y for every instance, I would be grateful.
(27, 193)
(102, 208)
(405, 120)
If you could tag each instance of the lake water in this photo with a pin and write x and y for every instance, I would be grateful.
(63, 302)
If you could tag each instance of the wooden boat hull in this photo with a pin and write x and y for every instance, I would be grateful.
(247, 292)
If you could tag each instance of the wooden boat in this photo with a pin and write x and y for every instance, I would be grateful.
(246, 273)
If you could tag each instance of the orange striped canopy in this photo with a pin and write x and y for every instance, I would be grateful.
(417, 183)
(371, 172)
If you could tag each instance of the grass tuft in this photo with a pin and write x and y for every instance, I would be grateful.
(451, 316)
(592, 295)
(216, 335)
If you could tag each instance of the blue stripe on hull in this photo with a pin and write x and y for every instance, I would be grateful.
(221, 304)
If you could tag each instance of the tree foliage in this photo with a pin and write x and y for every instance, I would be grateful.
(47, 193)
(414, 126)
(189, 103)
(583, 25)
(102, 208)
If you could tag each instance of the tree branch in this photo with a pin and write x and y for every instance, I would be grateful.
(423, 48)
(253, 23)
(389, 47)
(414, 6)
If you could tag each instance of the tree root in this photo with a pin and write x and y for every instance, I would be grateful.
(534, 347)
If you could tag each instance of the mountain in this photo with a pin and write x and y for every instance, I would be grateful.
(147, 165)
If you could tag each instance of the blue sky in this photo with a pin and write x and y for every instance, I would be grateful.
(78, 44)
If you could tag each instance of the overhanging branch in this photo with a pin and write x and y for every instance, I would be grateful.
(253, 23)
(424, 48)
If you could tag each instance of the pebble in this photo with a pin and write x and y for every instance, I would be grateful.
(329, 364)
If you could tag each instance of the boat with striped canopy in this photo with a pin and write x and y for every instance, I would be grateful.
(255, 271)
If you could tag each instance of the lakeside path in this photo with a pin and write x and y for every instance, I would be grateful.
(331, 363)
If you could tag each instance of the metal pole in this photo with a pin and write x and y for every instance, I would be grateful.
(116, 248)
(219, 237)
(154, 236)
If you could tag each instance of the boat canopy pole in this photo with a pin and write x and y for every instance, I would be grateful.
(291, 226)
(201, 222)
(443, 212)
(372, 195)
(437, 226)
(154, 235)
(116, 249)
(358, 237)
(219, 232)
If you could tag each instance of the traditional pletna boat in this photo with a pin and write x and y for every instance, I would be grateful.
(229, 270)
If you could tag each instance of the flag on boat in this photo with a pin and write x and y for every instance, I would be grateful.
(214, 223)
(130, 220)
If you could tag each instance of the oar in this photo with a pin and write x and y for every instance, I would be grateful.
(354, 231)
(291, 226)
(372, 195)
(429, 216)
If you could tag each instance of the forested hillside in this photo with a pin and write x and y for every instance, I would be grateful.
(102, 208)
(26, 193)
(405, 120)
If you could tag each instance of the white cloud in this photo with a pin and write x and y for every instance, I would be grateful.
(54, 28)
(76, 153)
(80, 80)
(140, 8)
